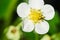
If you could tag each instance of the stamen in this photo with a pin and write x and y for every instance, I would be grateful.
(36, 15)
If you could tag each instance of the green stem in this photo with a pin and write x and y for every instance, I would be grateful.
(8, 13)
(19, 25)
(36, 36)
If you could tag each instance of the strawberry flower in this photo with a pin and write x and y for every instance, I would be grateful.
(34, 15)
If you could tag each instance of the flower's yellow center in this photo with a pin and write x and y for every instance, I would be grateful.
(35, 15)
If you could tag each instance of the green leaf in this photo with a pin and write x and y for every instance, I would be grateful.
(56, 36)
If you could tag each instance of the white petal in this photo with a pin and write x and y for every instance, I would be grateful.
(23, 10)
(48, 12)
(28, 25)
(36, 4)
(42, 27)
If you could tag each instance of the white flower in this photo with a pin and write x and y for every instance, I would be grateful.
(34, 15)
(13, 33)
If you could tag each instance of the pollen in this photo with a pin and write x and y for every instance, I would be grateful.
(35, 15)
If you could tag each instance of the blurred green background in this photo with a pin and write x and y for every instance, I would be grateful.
(8, 16)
